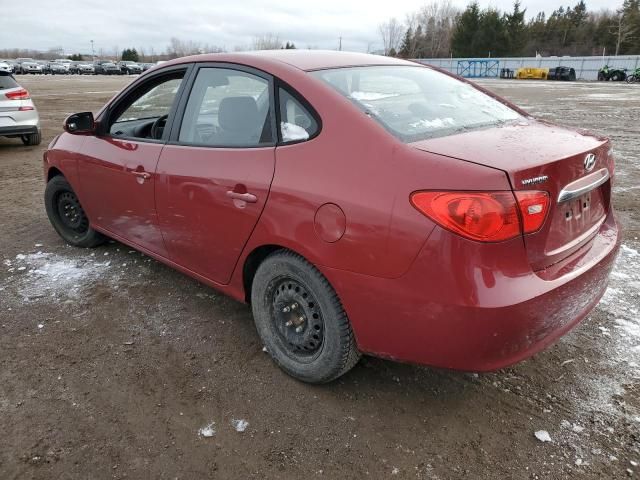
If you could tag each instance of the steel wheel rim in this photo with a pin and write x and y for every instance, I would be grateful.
(296, 318)
(71, 214)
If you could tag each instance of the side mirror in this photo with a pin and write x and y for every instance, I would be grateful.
(80, 123)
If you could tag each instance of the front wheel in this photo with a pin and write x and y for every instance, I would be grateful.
(300, 319)
(67, 216)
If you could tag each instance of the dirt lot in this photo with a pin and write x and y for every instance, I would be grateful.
(111, 363)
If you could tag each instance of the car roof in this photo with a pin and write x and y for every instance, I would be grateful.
(303, 59)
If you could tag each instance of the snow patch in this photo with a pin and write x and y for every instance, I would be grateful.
(368, 96)
(291, 132)
(435, 123)
(208, 430)
(543, 436)
(240, 425)
(51, 275)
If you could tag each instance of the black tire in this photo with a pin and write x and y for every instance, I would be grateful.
(325, 347)
(601, 77)
(31, 139)
(67, 216)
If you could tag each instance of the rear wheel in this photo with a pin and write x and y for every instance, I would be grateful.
(31, 139)
(300, 319)
(67, 216)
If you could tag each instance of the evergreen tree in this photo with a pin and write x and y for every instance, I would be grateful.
(130, 54)
(516, 30)
(405, 47)
(463, 41)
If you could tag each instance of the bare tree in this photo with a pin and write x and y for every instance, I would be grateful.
(391, 33)
(268, 41)
(437, 20)
(624, 30)
(180, 48)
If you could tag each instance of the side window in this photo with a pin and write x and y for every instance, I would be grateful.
(227, 108)
(144, 113)
(296, 123)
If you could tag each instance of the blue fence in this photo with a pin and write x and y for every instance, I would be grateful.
(586, 67)
(478, 68)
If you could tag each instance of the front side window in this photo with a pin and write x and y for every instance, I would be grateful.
(296, 123)
(227, 108)
(144, 113)
(415, 103)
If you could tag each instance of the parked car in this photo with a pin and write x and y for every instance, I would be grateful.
(105, 67)
(5, 67)
(18, 114)
(53, 68)
(147, 66)
(81, 68)
(30, 68)
(20, 61)
(13, 64)
(129, 68)
(359, 203)
(607, 73)
(65, 62)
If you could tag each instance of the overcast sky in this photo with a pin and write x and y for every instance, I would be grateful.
(72, 24)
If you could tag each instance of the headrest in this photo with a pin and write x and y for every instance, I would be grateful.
(238, 113)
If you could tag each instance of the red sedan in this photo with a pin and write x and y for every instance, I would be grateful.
(361, 204)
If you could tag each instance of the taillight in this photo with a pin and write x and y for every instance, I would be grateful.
(21, 94)
(533, 209)
(484, 216)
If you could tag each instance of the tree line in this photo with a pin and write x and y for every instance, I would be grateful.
(176, 48)
(441, 30)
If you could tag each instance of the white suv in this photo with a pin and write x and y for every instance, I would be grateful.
(18, 114)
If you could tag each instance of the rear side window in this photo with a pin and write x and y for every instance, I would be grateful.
(296, 123)
(227, 108)
(415, 103)
(7, 82)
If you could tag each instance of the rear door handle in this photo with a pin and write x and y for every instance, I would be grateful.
(143, 175)
(245, 197)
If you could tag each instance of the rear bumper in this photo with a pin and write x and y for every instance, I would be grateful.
(18, 130)
(476, 307)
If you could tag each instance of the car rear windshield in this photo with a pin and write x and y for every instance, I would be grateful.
(6, 82)
(416, 103)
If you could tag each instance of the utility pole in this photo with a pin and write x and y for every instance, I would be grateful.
(340, 44)
(93, 56)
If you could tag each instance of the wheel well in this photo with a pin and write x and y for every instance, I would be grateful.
(53, 172)
(251, 264)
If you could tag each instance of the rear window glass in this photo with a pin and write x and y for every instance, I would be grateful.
(416, 103)
(7, 82)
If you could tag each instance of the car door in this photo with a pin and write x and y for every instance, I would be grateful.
(117, 166)
(214, 174)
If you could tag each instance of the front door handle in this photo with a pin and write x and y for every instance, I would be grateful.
(245, 197)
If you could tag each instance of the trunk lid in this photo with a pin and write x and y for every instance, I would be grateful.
(539, 156)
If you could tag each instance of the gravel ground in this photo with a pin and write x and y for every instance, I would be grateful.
(115, 366)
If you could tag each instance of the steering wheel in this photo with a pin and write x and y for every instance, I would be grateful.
(158, 127)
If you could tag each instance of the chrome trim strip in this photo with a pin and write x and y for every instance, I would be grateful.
(577, 189)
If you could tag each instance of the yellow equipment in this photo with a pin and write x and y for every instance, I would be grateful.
(530, 73)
